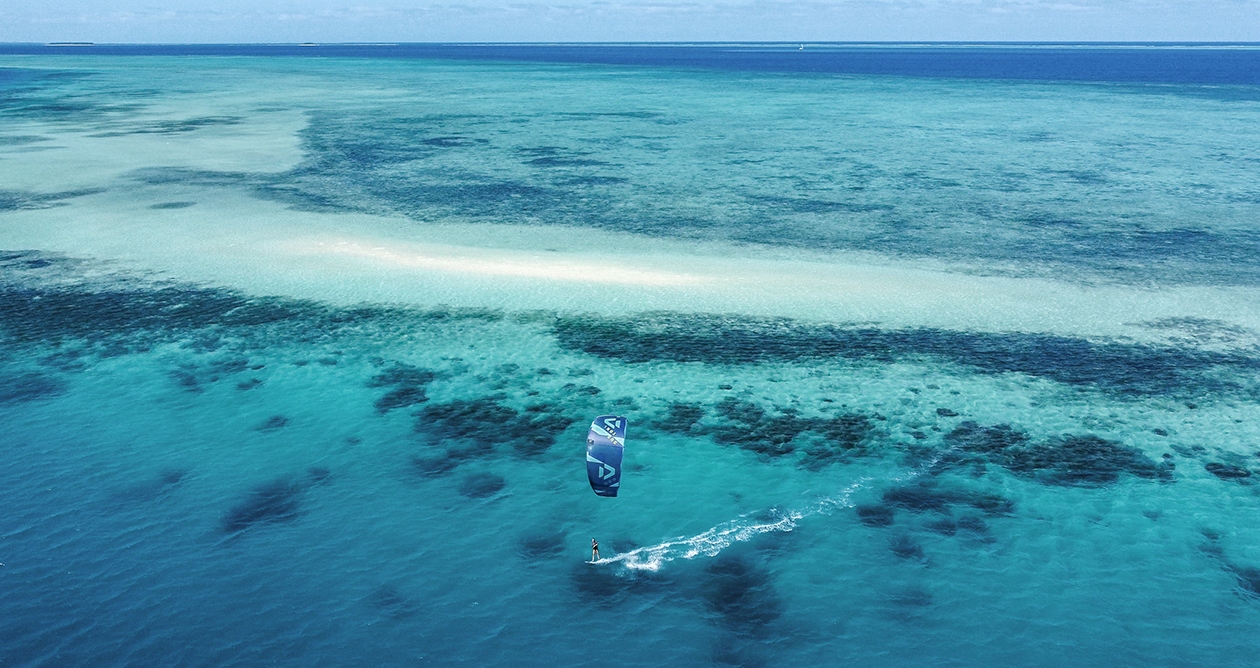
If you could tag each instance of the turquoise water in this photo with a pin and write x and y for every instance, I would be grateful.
(299, 353)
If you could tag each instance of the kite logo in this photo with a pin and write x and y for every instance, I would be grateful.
(605, 471)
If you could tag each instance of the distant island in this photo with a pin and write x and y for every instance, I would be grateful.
(70, 44)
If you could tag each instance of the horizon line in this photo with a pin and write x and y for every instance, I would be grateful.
(310, 44)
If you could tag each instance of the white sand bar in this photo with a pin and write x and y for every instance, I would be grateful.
(264, 248)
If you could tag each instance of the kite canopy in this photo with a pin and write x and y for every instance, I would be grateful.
(605, 444)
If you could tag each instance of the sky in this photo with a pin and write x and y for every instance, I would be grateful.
(281, 21)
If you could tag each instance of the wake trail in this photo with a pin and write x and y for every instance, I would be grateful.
(711, 542)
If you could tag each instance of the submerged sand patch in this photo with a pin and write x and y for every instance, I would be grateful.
(468, 260)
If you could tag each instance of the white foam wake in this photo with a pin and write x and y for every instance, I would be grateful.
(743, 528)
(713, 541)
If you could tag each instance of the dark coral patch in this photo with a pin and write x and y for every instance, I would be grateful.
(22, 140)
(51, 302)
(556, 161)
(153, 488)
(876, 515)
(1069, 460)
(455, 141)
(276, 501)
(1087, 461)
(973, 524)
(1247, 577)
(825, 440)
(481, 485)
(539, 427)
(491, 424)
(995, 441)
(366, 164)
(991, 504)
(968, 524)
(173, 127)
(740, 411)
(229, 365)
(541, 546)
(400, 397)
(47, 315)
(435, 465)
(403, 374)
(18, 200)
(29, 387)
(439, 461)
(921, 497)
(906, 547)
(742, 594)
(192, 376)
(1125, 368)
(388, 600)
(480, 420)
(1227, 471)
(929, 496)
(748, 426)
(186, 377)
(1248, 580)
(273, 423)
(835, 438)
(680, 418)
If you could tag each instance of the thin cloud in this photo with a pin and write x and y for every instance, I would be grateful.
(633, 20)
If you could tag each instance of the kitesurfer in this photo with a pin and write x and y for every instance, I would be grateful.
(594, 550)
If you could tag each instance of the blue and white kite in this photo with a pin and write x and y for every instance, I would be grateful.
(605, 444)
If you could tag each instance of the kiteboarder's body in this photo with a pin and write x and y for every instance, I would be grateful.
(594, 550)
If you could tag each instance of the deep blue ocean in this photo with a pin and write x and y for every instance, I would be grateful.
(932, 354)
(1182, 63)
(1192, 63)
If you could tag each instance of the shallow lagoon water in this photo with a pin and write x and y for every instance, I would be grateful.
(298, 354)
